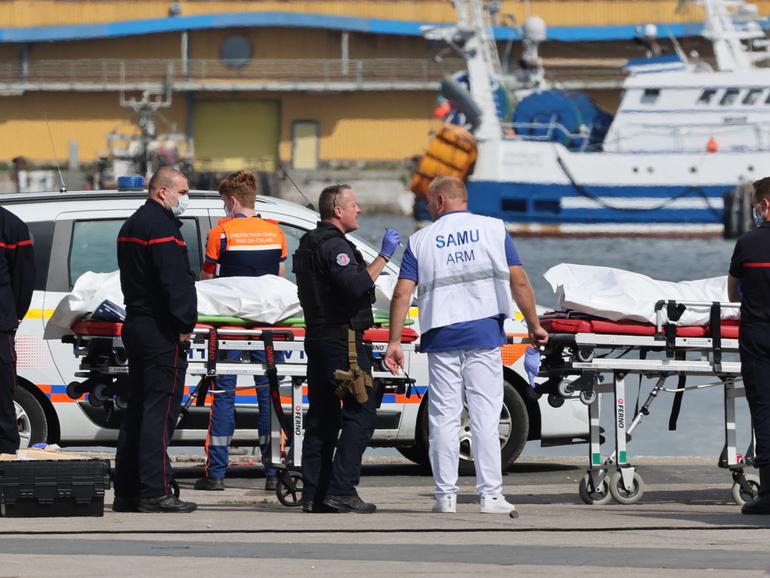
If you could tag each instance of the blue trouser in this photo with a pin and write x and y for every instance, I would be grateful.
(222, 420)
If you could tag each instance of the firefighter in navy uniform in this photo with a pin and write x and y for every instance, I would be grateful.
(336, 291)
(161, 311)
(17, 278)
(749, 283)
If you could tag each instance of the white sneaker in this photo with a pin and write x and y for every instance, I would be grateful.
(497, 505)
(445, 504)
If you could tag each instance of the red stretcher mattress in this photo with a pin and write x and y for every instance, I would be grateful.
(114, 329)
(605, 326)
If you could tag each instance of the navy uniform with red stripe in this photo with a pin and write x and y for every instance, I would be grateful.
(750, 266)
(159, 291)
(17, 277)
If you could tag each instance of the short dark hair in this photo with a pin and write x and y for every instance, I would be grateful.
(762, 189)
(328, 200)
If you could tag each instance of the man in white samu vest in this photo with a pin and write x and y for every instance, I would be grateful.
(465, 268)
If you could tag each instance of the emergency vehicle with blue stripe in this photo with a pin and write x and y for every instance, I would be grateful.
(76, 232)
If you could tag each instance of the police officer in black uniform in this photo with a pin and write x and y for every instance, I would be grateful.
(17, 278)
(336, 290)
(749, 283)
(161, 311)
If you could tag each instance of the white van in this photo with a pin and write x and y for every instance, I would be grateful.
(75, 232)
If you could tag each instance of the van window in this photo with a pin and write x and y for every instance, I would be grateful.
(94, 246)
(293, 235)
(42, 238)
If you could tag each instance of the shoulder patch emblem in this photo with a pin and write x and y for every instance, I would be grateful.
(343, 259)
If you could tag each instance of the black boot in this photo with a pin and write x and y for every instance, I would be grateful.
(350, 503)
(760, 506)
(169, 503)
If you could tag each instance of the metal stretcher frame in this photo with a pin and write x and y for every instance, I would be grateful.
(572, 364)
(286, 433)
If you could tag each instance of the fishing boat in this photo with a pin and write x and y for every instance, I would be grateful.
(686, 133)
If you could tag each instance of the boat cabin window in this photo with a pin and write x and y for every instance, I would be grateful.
(650, 95)
(752, 96)
(730, 96)
(706, 96)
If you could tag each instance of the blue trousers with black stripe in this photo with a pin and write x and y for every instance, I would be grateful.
(222, 420)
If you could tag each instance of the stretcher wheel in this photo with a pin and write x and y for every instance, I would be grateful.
(101, 392)
(289, 489)
(95, 401)
(619, 492)
(555, 400)
(565, 388)
(587, 397)
(584, 354)
(740, 495)
(121, 401)
(591, 496)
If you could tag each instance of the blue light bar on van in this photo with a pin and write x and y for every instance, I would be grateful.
(131, 183)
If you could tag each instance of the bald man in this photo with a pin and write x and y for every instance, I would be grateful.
(161, 311)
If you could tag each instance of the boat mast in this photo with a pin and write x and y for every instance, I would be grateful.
(484, 70)
(720, 28)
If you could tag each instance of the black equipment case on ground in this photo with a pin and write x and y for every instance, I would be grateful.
(38, 488)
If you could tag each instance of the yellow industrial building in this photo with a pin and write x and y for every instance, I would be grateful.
(256, 82)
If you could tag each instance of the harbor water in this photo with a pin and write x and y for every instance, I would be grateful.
(700, 425)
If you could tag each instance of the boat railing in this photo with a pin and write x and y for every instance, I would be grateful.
(744, 136)
(139, 71)
(546, 131)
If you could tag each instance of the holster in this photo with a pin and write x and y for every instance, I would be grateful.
(355, 381)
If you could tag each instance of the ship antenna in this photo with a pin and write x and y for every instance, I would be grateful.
(288, 176)
(677, 47)
(62, 186)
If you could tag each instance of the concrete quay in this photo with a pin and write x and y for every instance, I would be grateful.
(685, 525)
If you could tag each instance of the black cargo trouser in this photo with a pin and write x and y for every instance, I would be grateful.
(156, 369)
(755, 368)
(324, 471)
(9, 432)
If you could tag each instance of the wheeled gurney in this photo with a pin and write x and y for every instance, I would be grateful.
(104, 367)
(583, 351)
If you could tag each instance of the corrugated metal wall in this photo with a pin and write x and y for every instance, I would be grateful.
(367, 126)
(86, 118)
(380, 126)
(16, 13)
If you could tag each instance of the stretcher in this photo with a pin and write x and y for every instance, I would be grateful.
(588, 356)
(104, 370)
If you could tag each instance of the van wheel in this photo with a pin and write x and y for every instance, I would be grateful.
(513, 429)
(30, 418)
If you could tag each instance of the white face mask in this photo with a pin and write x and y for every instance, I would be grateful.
(229, 210)
(181, 206)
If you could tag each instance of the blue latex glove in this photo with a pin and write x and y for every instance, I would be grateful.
(531, 364)
(389, 243)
